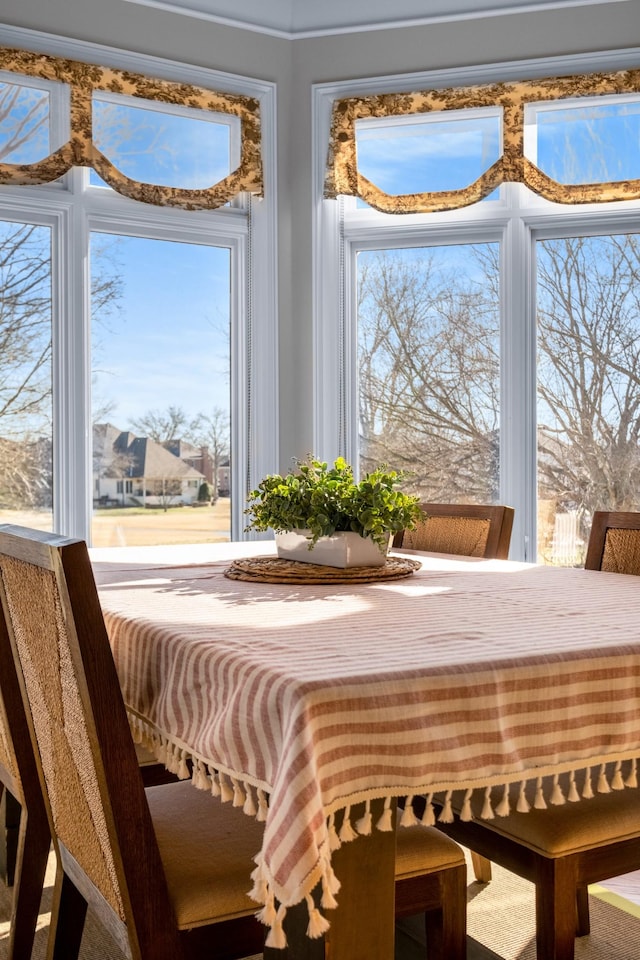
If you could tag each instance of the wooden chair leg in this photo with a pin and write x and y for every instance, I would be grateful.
(481, 867)
(33, 853)
(68, 914)
(154, 774)
(433, 922)
(10, 811)
(446, 928)
(3, 839)
(583, 926)
(556, 914)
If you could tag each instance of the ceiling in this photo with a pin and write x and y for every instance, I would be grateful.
(309, 18)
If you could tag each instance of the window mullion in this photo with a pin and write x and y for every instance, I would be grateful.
(71, 386)
(330, 368)
(517, 375)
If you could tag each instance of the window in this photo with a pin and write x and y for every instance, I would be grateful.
(138, 367)
(25, 133)
(429, 367)
(179, 147)
(26, 441)
(490, 350)
(434, 151)
(592, 140)
(588, 349)
(160, 374)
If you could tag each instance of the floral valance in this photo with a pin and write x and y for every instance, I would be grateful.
(83, 80)
(344, 177)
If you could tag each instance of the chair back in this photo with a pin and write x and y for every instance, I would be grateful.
(18, 769)
(470, 530)
(27, 837)
(100, 819)
(614, 542)
(10, 775)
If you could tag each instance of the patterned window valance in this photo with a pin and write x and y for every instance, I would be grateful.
(83, 81)
(343, 176)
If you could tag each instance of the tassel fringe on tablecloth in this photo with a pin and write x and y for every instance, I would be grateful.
(254, 802)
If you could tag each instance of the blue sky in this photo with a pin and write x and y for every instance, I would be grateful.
(168, 342)
(154, 146)
(584, 144)
(416, 157)
(574, 143)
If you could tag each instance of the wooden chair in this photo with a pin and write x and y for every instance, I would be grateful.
(465, 529)
(614, 542)
(564, 848)
(165, 869)
(27, 839)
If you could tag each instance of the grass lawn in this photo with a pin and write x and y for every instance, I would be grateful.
(120, 527)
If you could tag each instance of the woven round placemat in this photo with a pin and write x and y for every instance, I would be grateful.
(275, 570)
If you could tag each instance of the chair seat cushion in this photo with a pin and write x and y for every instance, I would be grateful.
(568, 828)
(422, 850)
(207, 848)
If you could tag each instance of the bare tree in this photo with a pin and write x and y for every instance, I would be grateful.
(428, 367)
(589, 372)
(24, 118)
(25, 350)
(25, 358)
(163, 426)
(25, 473)
(212, 432)
(25, 328)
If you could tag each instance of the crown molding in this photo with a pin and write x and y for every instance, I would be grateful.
(300, 19)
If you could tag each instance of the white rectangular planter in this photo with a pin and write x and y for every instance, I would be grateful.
(342, 549)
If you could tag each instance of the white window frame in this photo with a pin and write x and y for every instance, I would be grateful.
(247, 226)
(517, 219)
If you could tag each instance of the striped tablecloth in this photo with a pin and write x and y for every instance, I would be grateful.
(298, 702)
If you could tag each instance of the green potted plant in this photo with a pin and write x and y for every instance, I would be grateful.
(321, 515)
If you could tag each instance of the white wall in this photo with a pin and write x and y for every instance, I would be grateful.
(295, 66)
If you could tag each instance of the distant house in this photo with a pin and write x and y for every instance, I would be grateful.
(137, 471)
(200, 459)
(197, 457)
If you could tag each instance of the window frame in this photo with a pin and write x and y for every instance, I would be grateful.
(518, 218)
(72, 208)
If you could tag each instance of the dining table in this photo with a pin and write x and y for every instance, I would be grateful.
(316, 706)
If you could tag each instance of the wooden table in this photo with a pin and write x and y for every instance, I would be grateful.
(300, 703)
